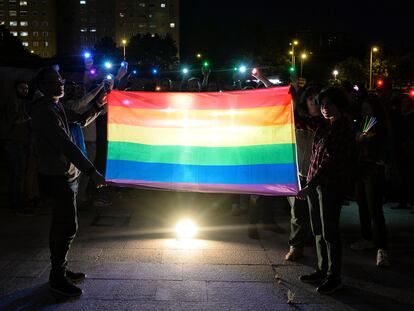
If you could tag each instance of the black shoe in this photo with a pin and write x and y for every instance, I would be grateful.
(330, 286)
(64, 287)
(75, 276)
(314, 277)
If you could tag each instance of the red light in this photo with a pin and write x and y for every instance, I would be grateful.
(254, 71)
(412, 93)
(380, 83)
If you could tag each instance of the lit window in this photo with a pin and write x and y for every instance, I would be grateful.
(141, 26)
(84, 30)
(45, 34)
(23, 13)
(163, 5)
(24, 33)
(24, 23)
(23, 3)
(13, 23)
(92, 30)
(35, 43)
(35, 34)
(172, 25)
(1, 22)
(82, 2)
(13, 13)
(153, 35)
(142, 5)
(46, 43)
(153, 26)
(14, 33)
(25, 43)
(12, 1)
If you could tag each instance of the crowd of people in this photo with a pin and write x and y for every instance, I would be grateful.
(349, 144)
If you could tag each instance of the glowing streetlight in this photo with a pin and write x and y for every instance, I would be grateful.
(108, 65)
(302, 59)
(373, 50)
(292, 52)
(124, 42)
(242, 69)
(335, 73)
(198, 55)
(185, 71)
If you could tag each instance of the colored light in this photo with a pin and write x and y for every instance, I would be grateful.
(124, 41)
(87, 55)
(242, 69)
(206, 64)
(109, 77)
(123, 64)
(154, 71)
(254, 71)
(185, 71)
(374, 49)
(158, 88)
(292, 69)
(304, 55)
(186, 229)
(412, 93)
(108, 65)
(134, 72)
(92, 71)
(236, 68)
(380, 83)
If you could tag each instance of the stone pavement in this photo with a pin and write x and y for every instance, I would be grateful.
(134, 263)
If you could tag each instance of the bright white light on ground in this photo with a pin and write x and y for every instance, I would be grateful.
(186, 229)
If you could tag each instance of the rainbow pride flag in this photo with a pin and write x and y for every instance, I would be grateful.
(229, 142)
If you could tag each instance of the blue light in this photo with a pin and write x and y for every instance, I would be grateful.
(242, 69)
(108, 65)
(87, 55)
(155, 71)
(185, 71)
(134, 72)
(123, 64)
(109, 77)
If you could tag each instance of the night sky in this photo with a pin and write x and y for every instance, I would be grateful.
(213, 25)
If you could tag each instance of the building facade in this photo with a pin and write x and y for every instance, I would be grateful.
(33, 21)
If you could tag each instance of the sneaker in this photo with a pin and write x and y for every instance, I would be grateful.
(274, 228)
(294, 254)
(75, 276)
(382, 258)
(253, 233)
(314, 277)
(330, 286)
(362, 244)
(236, 210)
(64, 287)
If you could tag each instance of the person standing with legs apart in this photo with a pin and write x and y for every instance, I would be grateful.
(327, 178)
(370, 180)
(60, 161)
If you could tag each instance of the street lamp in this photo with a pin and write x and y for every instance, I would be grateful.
(292, 52)
(302, 59)
(124, 41)
(198, 55)
(373, 50)
(335, 73)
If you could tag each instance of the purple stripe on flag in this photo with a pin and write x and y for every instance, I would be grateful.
(261, 189)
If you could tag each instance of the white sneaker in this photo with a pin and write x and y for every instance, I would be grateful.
(362, 244)
(382, 258)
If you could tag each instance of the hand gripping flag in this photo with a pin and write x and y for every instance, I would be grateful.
(228, 142)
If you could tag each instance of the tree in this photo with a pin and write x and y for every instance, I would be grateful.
(151, 50)
(106, 49)
(352, 69)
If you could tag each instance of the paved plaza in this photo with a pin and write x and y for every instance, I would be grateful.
(133, 261)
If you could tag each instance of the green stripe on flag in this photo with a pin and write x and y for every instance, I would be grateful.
(190, 155)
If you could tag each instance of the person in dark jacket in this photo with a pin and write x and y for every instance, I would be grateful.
(60, 161)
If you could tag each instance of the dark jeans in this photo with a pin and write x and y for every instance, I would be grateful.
(262, 210)
(64, 218)
(325, 209)
(299, 222)
(368, 190)
(16, 159)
